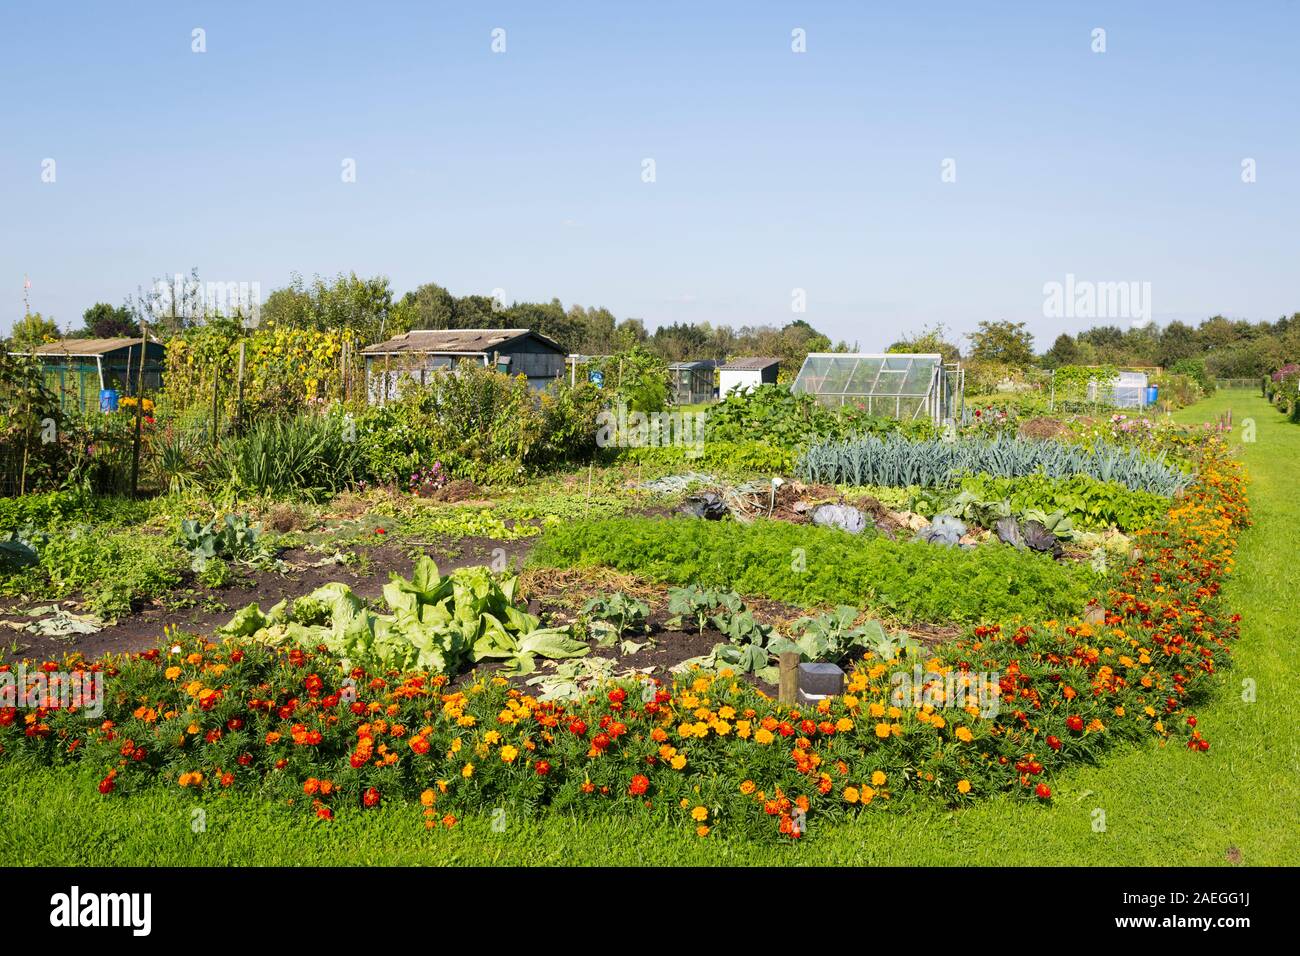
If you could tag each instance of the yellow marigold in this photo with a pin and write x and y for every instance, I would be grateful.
(700, 814)
(763, 736)
(851, 795)
(172, 673)
(878, 779)
(843, 725)
(678, 762)
(491, 737)
(467, 771)
(963, 786)
(882, 730)
(964, 735)
(509, 753)
(427, 798)
(747, 787)
(876, 710)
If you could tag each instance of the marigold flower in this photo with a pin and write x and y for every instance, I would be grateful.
(851, 795)
(963, 786)
(700, 814)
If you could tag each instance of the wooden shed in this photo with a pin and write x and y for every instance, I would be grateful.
(78, 369)
(747, 373)
(419, 354)
(692, 382)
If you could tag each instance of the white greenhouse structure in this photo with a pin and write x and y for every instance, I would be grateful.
(892, 385)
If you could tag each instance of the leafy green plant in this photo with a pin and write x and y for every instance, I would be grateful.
(698, 604)
(1089, 503)
(436, 623)
(229, 539)
(610, 616)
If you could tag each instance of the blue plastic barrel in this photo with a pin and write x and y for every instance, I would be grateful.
(108, 399)
(1153, 394)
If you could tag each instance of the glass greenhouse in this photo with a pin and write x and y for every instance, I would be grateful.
(892, 385)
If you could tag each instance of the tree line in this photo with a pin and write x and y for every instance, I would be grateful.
(369, 306)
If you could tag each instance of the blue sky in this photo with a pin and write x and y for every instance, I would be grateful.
(775, 171)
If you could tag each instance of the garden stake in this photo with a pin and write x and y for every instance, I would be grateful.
(788, 688)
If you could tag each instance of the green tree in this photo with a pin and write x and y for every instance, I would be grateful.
(1005, 343)
(33, 330)
(365, 306)
(1064, 351)
(104, 321)
(929, 341)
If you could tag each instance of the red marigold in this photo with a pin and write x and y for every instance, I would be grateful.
(639, 785)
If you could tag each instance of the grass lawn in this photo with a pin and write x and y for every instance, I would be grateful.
(1161, 806)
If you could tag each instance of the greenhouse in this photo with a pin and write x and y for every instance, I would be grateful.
(902, 385)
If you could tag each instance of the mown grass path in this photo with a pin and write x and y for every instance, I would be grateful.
(1162, 806)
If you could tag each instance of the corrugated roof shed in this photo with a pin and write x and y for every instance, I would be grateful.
(750, 364)
(86, 346)
(469, 341)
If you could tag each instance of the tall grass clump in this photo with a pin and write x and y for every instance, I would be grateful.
(302, 456)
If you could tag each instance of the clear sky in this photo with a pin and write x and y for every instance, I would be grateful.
(774, 170)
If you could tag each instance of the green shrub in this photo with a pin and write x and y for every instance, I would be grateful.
(910, 581)
(109, 570)
(481, 424)
(728, 457)
(52, 510)
(775, 416)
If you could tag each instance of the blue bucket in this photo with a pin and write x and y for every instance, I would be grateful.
(108, 399)
(1153, 394)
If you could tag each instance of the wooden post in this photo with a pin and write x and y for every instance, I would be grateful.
(139, 408)
(239, 389)
(216, 381)
(788, 689)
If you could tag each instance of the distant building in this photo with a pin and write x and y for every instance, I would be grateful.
(747, 373)
(77, 370)
(418, 355)
(692, 382)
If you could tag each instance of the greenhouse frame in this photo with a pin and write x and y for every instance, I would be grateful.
(894, 385)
